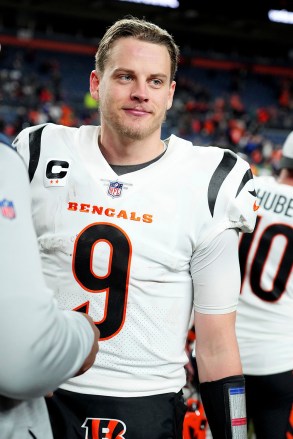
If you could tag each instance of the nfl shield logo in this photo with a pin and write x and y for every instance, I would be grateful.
(7, 209)
(115, 189)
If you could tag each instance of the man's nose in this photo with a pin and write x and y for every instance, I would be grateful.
(139, 91)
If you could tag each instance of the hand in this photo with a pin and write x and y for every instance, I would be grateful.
(88, 362)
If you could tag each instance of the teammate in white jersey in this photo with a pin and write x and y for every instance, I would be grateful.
(137, 231)
(265, 312)
(40, 345)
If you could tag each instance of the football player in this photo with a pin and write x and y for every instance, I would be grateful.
(135, 231)
(264, 318)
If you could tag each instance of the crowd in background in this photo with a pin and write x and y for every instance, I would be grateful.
(232, 108)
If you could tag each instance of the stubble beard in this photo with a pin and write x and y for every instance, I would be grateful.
(139, 132)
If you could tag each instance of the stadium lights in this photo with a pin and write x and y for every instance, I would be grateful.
(166, 3)
(280, 16)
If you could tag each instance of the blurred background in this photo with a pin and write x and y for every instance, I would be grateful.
(234, 82)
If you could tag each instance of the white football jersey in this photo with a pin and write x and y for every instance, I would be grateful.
(265, 310)
(120, 247)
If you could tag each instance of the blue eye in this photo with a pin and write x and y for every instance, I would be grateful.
(156, 82)
(125, 77)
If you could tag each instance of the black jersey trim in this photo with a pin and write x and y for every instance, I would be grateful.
(35, 150)
(247, 176)
(227, 163)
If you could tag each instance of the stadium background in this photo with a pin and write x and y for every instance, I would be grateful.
(234, 83)
(234, 80)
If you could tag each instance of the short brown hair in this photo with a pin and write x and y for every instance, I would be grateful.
(141, 30)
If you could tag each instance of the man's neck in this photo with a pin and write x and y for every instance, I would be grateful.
(126, 169)
(286, 177)
(130, 152)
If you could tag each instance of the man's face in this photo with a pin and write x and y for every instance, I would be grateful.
(134, 92)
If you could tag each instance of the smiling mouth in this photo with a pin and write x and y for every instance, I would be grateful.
(137, 111)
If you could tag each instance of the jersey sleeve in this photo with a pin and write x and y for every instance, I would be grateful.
(243, 205)
(215, 269)
(231, 198)
(41, 346)
(28, 144)
(216, 275)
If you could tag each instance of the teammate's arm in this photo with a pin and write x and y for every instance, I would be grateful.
(40, 345)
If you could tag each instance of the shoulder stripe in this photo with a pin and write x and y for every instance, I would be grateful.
(227, 163)
(35, 150)
(247, 176)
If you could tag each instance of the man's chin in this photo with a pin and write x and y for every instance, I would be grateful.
(138, 132)
(134, 134)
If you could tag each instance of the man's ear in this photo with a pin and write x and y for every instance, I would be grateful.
(94, 85)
